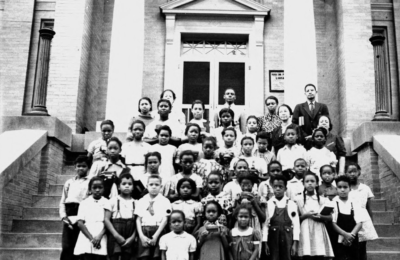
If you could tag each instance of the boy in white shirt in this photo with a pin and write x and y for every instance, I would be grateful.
(295, 185)
(291, 151)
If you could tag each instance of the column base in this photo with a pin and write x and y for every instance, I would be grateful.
(382, 116)
(38, 112)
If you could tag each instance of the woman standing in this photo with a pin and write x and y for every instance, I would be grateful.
(270, 121)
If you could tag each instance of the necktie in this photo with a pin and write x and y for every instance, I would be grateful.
(150, 208)
(312, 108)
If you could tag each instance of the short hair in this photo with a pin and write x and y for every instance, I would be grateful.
(149, 100)
(273, 98)
(114, 139)
(279, 177)
(107, 122)
(189, 125)
(95, 178)
(148, 155)
(248, 176)
(187, 153)
(154, 177)
(252, 116)
(262, 135)
(326, 165)
(166, 128)
(320, 129)
(238, 161)
(287, 106)
(166, 90)
(211, 139)
(229, 89)
(274, 162)
(346, 167)
(125, 175)
(296, 128)
(226, 110)
(213, 202)
(166, 101)
(177, 211)
(215, 173)
(83, 159)
(191, 182)
(246, 138)
(229, 129)
(138, 122)
(310, 85)
(197, 101)
(329, 119)
(343, 178)
(242, 206)
(300, 159)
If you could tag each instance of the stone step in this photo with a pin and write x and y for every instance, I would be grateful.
(29, 253)
(387, 230)
(61, 179)
(31, 240)
(378, 205)
(383, 255)
(384, 217)
(45, 201)
(56, 189)
(68, 170)
(384, 244)
(36, 226)
(41, 213)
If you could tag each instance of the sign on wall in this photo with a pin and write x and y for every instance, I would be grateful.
(276, 81)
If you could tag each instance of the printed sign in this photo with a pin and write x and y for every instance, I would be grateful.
(276, 81)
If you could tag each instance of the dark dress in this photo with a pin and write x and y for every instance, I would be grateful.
(212, 248)
(243, 245)
(335, 144)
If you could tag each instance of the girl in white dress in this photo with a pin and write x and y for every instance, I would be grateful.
(92, 241)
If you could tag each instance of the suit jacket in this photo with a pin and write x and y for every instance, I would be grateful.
(310, 120)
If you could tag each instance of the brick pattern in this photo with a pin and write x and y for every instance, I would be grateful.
(390, 185)
(368, 161)
(52, 161)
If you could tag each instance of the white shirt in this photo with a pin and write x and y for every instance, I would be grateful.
(178, 246)
(319, 157)
(361, 195)
(345, 208)
(291, 210)
(75, 190)
(168, 152)
(191, 208)
(126, 207)
(287, 156)
(161, 207)
(294, 187)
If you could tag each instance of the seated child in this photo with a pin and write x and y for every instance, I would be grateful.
(228, 142)
(284, 224)
(74, 192)
(295, 186)
(261, 151)
(265, 189)
(226, 116)
(291, 151)
(192, 132)
(120, 221)
(177, 244)
(152, 215)
(193, 210)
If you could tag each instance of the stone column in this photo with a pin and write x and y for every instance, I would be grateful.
(42, 73)
(381, 80)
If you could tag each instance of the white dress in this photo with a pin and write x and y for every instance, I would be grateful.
(91, 211)
(168, 152)
(319, 157)
(134, 153)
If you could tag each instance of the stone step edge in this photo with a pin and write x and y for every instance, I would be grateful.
(22, 233)
(2, 249)
(383, 252)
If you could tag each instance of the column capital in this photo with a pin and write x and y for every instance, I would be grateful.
(377, 39)
(47, 33)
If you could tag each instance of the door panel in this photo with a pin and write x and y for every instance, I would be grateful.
(231, 75)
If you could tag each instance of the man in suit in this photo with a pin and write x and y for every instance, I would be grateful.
(306, 114)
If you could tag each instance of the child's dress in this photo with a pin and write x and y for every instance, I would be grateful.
(192, 210)
(318, 157)
(212, 249)
(243, 243)
(314, 239)
(91, 211)
(288, 155)
(178, 246)
(168, 152)
(197, 149)
(98, 148)
(134, 153)
(294, 187)
(205, 166)
(265, 190)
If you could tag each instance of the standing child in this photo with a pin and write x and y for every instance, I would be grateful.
(121, 222)
(232, 188)
(177, 244)
(243, 239)
(361, 194)
(261, 150)
(198, 112)
(152, 215)
(327, 189)
(192, 132)
(75, 190)
(228, 144)
(291, 151)
(92, 242)
(212, 236)
(295, 186)
(193, 210)
(347, 222)
(208, 164)
(314, 240)
(145, 108)
(284, 224)
(153, 162)
(97, 150)
(252, 127)
(265, 189)
(226, 121)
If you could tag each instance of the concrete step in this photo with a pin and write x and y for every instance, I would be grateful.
(61, 179)
(41, 213)
(378, 205)
(36, 226)
(56, 189)
(68, 170)
(383, 255)
(45, 201)
(384, 217)
(384, 244)
(30, 253)
(31, 240)
(387, 230)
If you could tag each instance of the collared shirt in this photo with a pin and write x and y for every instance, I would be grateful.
(178, 246)
(294, 187)
(75, 190)
(126, 207)
(267, 155)
(191, 208)
(291, 210)
(361, 195)
(98, 149)
(161, 207)
(318, 157)
(288, 155)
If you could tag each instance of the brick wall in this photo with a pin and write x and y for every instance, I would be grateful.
(368, 161)
(52, 160)
(390, 186)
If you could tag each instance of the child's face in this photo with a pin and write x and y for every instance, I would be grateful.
(290, 136)
(214, 184)
(107, 131)
(153, 164)
(164, 109)
(300, 167)
(229, 137)
(208, 149)
(284, 113)
(197, 111)
(144, 106)
(246, 185)
(177, 223)
(113, 150)
(153, 186)
(169, 96)
(241, 167)
(211, 212)
(97, 189)
(353, 173)
(185, 190)
(81, 169)
(310, 183)
(262, 144)
(163, 137)
(137, 131)
(187, 162)
(319, 139)
(226, 119)
(343, 189)
(247, 146)
(243, 218)
(279, 188)
(271, 105)
(327, 175)
(252, 125)
(126, 186)
(223, 220)
(193, 134)
(230, 96)
(274, 169)
(310, 92)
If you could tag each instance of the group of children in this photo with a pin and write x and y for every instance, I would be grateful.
(219, 197)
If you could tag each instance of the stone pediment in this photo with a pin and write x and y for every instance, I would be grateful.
(215, 7)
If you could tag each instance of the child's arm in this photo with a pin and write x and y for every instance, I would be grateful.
(198, 222)
(163, 255)
(322, 218)
(84, 230)
(153, 240)
(143, 239)
(254, 256)
(224, 239)
(259, 209)
(368, 208)
(120, 240)
(202, 238)
(191, 255)
(97, 239)
(294, 248)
